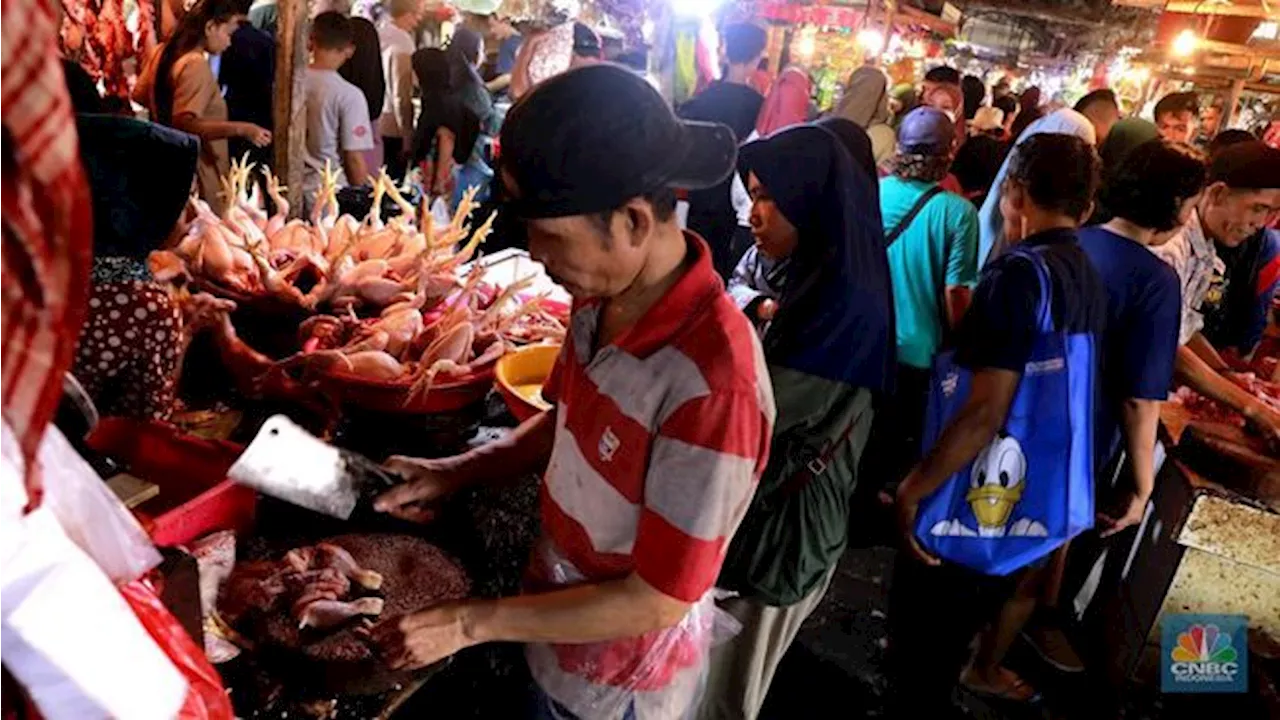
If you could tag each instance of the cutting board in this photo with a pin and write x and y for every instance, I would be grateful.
(1233, 458)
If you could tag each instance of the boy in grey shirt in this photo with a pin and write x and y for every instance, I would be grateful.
(338, 127)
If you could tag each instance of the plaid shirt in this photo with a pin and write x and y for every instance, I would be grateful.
(1200, 272)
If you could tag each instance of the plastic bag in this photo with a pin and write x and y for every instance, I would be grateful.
(206, 698)
(660, 674)
(91, 515)
(63, 626)
(440, 215)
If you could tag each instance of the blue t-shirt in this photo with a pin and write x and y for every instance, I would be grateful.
(507, 54)
(1144, 309)
(1001, 326)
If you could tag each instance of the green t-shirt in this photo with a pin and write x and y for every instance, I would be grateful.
(937, 251)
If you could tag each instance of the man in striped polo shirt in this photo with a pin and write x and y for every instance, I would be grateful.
(663, 412)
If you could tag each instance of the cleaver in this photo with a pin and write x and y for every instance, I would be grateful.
(290, 464)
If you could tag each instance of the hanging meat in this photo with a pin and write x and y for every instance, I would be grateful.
(97, 34)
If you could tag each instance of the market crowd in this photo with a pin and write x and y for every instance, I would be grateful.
(958, 306)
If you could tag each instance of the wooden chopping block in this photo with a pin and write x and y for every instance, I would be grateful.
(1229, 455)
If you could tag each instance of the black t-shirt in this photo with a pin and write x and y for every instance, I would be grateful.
(731, 104)
(711, 212)
(1001, 325)
(1235, 313)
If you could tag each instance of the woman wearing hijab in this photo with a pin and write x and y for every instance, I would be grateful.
(866, 104)
(990, 220)
(133, 341)
(466, 89)
(447, 130)
(786, 104)
(827, 334)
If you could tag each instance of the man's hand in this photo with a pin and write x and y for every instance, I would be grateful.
(427, 482)
(908, 505)
(421, 638)
(1266, 421)
(1132, 515)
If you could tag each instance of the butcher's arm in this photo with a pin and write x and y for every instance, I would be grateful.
(524, 450)
(968, 432)
(1205, 350)
(1192, 370)
(209, 129)
(1140, 419)
(578, 614)
(354, 167)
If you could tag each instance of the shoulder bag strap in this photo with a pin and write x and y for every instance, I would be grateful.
(910, 217)
(818, 465)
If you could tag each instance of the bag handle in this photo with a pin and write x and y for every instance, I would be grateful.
(1046, 285)
(910, 217)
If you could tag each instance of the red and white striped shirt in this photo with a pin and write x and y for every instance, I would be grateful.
(661, 437)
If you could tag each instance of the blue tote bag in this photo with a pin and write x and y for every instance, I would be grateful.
(1031, 489)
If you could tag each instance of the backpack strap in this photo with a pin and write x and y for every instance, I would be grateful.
(818, 465)
(910, 217)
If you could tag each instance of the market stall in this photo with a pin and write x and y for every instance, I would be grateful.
(385, 335)
(1207, 543)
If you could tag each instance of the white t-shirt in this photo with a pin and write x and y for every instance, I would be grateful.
(337, 121)
(397, 54)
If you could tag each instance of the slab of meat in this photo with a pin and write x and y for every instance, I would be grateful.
(414, 574)
(329, 613)
(1204, 409)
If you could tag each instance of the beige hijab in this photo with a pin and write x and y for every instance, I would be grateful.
(866, 98)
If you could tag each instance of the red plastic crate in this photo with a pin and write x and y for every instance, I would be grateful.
(195, 496)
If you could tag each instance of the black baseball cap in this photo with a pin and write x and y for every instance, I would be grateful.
(592, 138)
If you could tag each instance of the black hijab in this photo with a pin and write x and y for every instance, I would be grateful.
(835, 316)
(855, 140)
(441, 107)
(140, 177)
(464, 81)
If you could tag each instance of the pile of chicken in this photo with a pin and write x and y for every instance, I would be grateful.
(391, 304)
(315, 582)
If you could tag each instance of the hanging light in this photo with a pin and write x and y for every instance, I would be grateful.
(871, 40)
(807, 43)
(1185, 43)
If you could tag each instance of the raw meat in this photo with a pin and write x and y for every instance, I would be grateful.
(415, 574)
(328, 613)
(96, 33)
(332, 556)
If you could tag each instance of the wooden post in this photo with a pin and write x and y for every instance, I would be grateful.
(1233, 103)
(290, 133)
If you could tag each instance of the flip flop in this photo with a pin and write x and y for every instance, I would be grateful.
(1018, 691)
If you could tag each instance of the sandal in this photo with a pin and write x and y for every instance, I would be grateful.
(1016, 690)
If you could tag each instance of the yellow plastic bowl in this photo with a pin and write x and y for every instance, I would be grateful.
(520, 376)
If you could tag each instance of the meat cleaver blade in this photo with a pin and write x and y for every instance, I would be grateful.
(290, 464)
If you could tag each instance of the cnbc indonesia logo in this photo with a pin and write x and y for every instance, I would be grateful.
(1204, 655)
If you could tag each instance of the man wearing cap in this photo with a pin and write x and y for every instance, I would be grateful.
(932, 239)
(1229, 267)
(662, 418)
